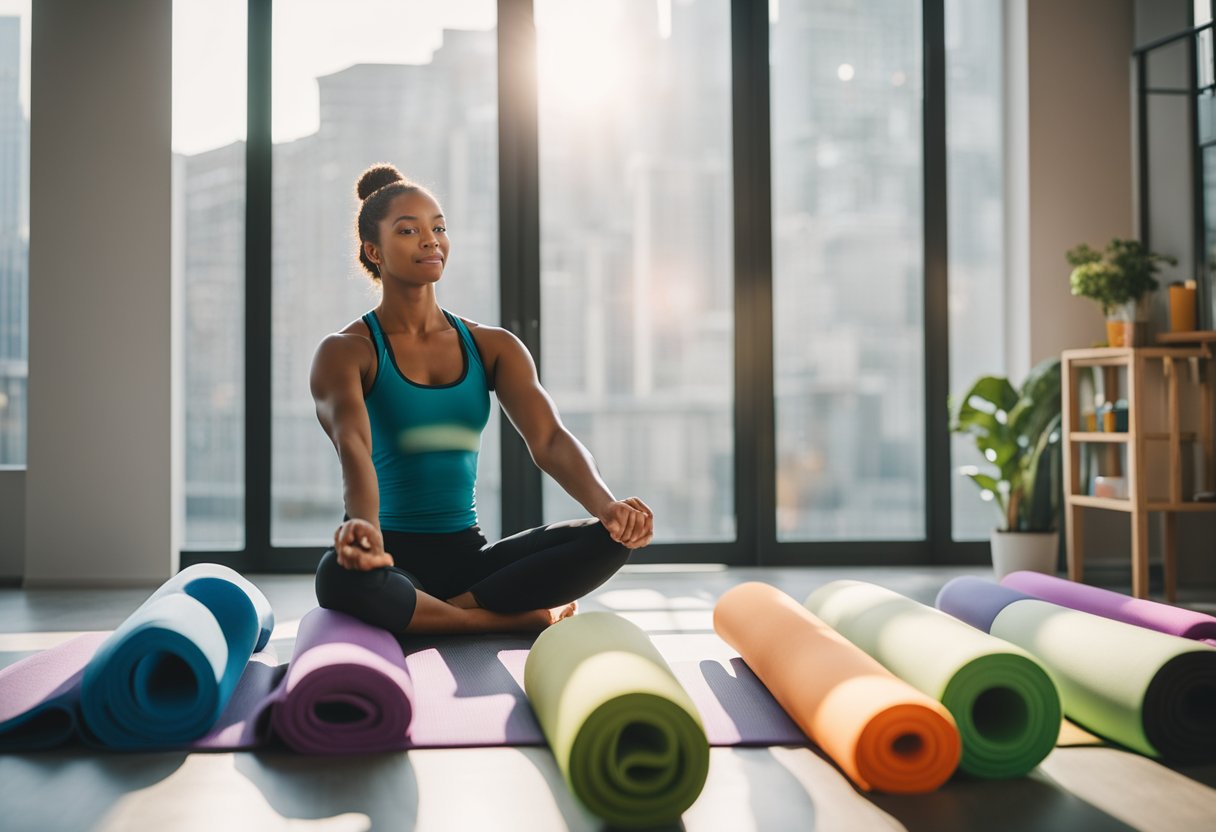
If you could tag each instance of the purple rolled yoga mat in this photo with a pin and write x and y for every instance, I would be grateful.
(346, 690)
(1151, 615)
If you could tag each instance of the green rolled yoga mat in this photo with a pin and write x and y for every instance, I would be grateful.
(626, 735)
(1005, 704)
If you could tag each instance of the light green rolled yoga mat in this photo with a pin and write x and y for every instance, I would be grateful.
(1005, 704)
(625, 733)
(1150, 691)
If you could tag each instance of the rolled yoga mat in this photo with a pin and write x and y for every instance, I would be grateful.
(1152, 692)
(624, 732)
(1164, 618)
(883, 733)
(345, 691)
(1006, 706)
(165, 675)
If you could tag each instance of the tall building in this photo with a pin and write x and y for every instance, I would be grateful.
(14, 249)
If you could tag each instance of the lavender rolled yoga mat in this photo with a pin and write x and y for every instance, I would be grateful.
(1164, 618)
(345, 692)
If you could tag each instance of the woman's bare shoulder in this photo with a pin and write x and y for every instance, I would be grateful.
(351, 344)
(491, 334)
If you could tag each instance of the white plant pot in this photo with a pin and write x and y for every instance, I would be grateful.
(1032, 551)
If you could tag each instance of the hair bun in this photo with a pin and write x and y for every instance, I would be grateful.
(375, 178)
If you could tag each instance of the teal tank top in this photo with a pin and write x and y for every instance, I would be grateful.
(425, 439)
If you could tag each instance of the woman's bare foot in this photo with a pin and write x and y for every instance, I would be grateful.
(544, 618)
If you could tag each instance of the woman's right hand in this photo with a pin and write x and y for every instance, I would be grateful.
(359, 545)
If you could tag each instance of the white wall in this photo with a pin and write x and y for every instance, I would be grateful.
(99, 485)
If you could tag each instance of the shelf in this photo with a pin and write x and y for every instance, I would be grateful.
(1193, 337)
(1122, 435)
(1191, 506)
(1099, 502)
(1115, 504)
(1122, 356)
(1183, 363)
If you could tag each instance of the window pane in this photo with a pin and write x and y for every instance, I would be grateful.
(975, 182)
(848, 275)
(636, 254)
(209, 44)
(425, 99)
(14, 227)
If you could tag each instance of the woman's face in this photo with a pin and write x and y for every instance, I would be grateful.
(414, 241)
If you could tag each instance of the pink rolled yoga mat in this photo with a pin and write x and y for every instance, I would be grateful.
(1141, 612)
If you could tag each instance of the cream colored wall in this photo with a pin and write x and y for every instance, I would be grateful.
(1069, 176)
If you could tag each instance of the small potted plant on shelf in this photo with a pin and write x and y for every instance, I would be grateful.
(1117, 280)
(1018, 432)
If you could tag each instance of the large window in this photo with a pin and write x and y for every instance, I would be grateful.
(422, 95)
(636, 270)
(724, 226)
(847, 270)
(14, 227)
(209, 261)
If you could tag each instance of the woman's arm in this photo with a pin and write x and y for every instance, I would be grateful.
(555, 450)
(337, 390)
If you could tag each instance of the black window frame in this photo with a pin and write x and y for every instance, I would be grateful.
(519, 254)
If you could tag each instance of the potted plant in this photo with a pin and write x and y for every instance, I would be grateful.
(1117, 280)
(1018, 432)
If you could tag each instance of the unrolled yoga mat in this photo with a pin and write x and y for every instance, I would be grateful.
(1149, 691)
(1163, 618)
(625, 734)
(883, 733)
(40, 695)
(1005, 705)
(161, 679)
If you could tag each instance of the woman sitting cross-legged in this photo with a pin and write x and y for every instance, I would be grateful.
(403, 393)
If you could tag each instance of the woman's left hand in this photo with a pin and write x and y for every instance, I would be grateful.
(630, 522)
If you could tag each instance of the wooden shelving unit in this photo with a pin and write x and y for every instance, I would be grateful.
(1179, 365)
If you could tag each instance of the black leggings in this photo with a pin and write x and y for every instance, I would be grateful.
(542, 567)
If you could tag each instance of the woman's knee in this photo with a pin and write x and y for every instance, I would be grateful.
(602, 546)
(379, 597)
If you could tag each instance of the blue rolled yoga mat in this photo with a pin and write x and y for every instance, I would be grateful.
(1152, 692)
(164, 676)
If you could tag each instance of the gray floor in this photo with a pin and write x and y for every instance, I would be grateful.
(507, 788)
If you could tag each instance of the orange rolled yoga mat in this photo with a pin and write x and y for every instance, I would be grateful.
(882, 732)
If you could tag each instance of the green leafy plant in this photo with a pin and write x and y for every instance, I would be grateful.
(1122, 274)
(1018, 432)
